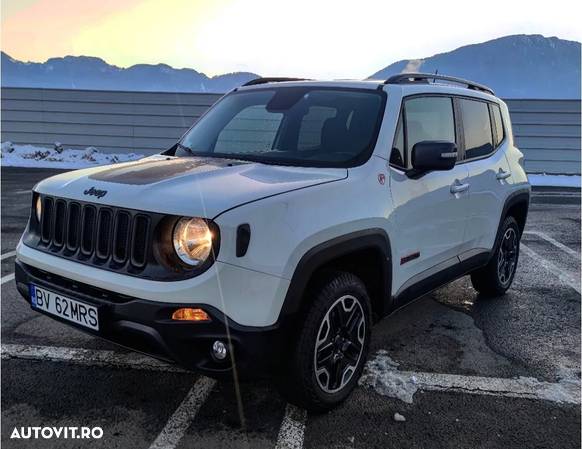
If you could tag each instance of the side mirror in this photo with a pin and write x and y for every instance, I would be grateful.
(430, 155)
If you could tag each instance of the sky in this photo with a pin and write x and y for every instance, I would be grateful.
(304, 38)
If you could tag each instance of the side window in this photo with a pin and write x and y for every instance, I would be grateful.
(252, 129)
(429, 118)
(499, 131)
(398, 153)
(477, 128)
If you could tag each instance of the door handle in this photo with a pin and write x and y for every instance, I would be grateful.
(458, 187)
(502, 174)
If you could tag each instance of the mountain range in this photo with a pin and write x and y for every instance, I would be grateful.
(517, 66)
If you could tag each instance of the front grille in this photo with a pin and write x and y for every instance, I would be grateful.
(101, 235)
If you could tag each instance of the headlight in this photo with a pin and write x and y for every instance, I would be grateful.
(38, 208)
(192, 241)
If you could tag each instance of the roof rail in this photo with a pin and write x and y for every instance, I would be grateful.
(407, 78)
(271, 80)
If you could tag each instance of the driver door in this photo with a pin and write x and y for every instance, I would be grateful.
(430, 211)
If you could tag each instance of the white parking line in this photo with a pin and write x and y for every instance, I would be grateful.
(93, 357)
(570, 280)
(554, 242)
(292, 428)
(22, 192)
(7, 278)
(179, 422)
(7, 255)
(523, 387)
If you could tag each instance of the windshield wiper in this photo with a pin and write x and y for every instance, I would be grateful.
(184, 147)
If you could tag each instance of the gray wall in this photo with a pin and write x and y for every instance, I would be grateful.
(547, 131)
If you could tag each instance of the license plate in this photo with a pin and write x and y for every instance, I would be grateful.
(70, 309)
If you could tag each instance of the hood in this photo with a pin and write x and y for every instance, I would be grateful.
(201, 187)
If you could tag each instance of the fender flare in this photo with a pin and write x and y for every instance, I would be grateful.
(519, 196)
(329, 250)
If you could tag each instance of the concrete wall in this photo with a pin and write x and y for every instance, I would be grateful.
(547, 131)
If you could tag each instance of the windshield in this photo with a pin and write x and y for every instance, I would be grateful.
(302, 126)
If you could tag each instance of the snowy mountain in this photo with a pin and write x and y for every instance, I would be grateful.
(519, 66)
(83, 72)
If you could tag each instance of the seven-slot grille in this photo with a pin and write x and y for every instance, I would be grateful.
(103, 235)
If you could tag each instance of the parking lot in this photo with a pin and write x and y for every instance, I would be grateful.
(479, 373)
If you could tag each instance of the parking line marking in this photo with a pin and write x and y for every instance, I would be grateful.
(7, 255)
(567, 278)
(292, 428)
(522, 387)
(93, 357)
(179, 422)
(22, 192)
(7, 278)
(554, 242)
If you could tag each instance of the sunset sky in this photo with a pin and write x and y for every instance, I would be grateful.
(313, 38)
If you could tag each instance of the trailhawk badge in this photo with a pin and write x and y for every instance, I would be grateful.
(95, 192)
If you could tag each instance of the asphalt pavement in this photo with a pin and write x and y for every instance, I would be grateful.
(483, 373)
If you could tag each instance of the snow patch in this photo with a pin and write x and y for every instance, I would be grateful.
(381, 373)
(543, 180)
(42, 157)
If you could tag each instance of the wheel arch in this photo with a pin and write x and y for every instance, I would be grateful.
(372, 246)
(516, 205)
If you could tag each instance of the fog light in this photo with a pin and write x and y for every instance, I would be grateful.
(219, 350)
(189, 314)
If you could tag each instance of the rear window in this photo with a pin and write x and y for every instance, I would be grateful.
(477, 128)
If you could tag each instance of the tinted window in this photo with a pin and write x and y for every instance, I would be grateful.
(397, 155)
(303, 126)
(252, 129)
(311, 126)
(429, 118)
(477, 128)
(498, 122)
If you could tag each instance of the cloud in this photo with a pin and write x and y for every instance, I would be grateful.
(412, 66)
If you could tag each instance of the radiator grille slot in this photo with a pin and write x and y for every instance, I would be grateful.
(60, 222)
(121, 239)
(88, 229)
(140, 240)
(104, 232)
(46, 222)
(73, 226)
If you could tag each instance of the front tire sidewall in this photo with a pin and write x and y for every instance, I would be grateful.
(328, 296)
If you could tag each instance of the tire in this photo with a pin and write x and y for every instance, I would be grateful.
(497, 276)
(338, 324)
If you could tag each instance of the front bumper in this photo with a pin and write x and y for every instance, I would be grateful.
(146, 326)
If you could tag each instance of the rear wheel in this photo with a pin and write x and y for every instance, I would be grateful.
(497, 276)
(332, 346)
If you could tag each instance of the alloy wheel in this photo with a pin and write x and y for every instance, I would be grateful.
(339, 344)
(507, 258)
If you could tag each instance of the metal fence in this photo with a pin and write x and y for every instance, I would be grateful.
(547, 131)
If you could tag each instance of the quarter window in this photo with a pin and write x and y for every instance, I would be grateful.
(476, 128)
(499, 133)
(429, 118)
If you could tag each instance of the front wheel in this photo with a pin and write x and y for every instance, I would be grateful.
(332, 346)
(496, 277)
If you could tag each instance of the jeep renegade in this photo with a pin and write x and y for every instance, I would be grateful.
(292, 216)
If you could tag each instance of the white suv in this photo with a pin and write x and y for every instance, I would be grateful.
(287, 220)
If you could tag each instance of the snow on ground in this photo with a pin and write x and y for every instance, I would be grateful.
(12, 155)
(544, 180)
(381, 374)
(42, 157)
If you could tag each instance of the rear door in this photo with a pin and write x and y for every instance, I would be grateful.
(430, 211)
(484, 146)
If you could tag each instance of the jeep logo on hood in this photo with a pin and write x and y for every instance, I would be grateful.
(95, 192)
